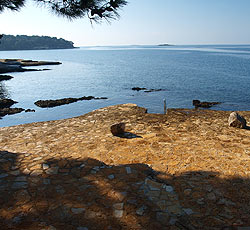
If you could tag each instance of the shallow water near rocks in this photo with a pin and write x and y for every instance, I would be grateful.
(208, 73)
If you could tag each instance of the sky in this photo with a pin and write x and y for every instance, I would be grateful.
(142, 22)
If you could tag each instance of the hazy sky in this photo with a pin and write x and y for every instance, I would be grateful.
(142, 22)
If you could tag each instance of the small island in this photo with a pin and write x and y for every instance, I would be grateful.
(165, 44)
(24, 42)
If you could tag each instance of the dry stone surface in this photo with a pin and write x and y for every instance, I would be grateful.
(183, 170)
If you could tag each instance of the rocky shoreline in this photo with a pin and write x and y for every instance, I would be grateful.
(16, 65)
(184, 170)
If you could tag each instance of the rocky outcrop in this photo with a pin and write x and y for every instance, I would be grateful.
(237, 121)
(10, 111)
(204, 104)
(64, 101)
(6, 103)
(5, 77)
(146, 90)
(138, 88)
(16, 65)
(5, 109)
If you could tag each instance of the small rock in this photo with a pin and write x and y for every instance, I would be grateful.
(188, 211)
(118, 213)
(19, 185)
(138, 88)
(168, 188)
(77, 210)
(140, 211)
(118, 129)
(21, 179)
(52, 171)
(128, 170)
(111, 176)
(153, 185)
(46, 181)
(37, 158)
(15, 173)
(237, 121)
(187, 192)
(96, 168)
(118, 206)
(211, 196)
(26, 171)
(82, 165)
(200, 201)
(45, 166)
(30, 111)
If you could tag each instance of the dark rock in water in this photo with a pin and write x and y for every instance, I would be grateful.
(29, 110)
(153, 90)
(5, 77)
(118, 129)
(146, 90)
(237, 121)
(53, 103)
(85, 98)
(64, 101)
(196, 103)
(6, 103)
(138, 88)
(205, 104)
(10, 111)
(100, 98)
(6, 68)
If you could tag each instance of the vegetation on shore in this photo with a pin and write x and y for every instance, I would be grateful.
(24, 42)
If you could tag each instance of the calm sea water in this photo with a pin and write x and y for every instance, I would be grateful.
(208, 73)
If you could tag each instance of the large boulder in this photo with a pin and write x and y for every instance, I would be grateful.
(118, 129)
(237, 121)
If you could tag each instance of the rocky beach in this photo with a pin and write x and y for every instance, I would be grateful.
(184, 170)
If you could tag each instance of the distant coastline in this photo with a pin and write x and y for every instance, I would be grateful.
(24, 42)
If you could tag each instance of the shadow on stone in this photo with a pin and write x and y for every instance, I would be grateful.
(74, 194)
(128, 135)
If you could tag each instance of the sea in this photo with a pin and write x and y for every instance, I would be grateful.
(219, 73)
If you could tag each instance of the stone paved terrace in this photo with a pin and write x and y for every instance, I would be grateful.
(185, 170)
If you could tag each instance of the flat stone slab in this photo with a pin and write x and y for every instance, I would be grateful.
(183, 170)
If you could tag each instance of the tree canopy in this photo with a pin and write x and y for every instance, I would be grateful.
(94, 9)
(24, 42)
